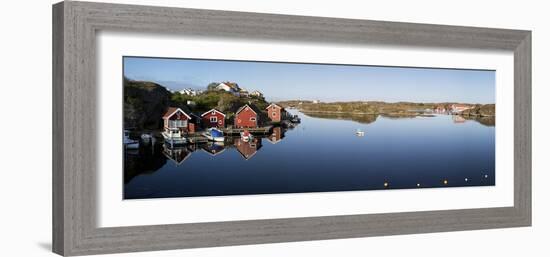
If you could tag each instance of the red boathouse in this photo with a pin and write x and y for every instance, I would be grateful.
(274, 112)
(176, 118)
(213, 118)
(246, 117)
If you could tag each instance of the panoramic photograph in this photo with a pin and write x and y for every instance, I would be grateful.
(198, 127)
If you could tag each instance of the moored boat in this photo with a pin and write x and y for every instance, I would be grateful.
(146, 138)
(246, 135)
(173, 136)
(214, 134)
(128, 142)
(295, 119)
(359, 133)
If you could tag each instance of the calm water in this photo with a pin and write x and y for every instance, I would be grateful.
(323, 153)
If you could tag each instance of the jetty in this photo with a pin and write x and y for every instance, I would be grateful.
(196, 139)
(256, 131)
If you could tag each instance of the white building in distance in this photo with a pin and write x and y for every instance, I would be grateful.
(190, 91)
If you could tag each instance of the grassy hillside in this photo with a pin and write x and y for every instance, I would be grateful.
(145, 103)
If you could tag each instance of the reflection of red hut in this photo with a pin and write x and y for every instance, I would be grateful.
(177, 155)
(274, 112)
(246, 117)
(176, 118)
(213, 118)
(248, 149)
(276, 135)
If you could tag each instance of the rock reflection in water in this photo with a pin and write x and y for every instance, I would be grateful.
(361, 118)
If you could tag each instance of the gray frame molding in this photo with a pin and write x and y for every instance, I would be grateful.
(74, 136)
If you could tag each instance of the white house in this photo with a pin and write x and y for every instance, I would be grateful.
(190, 91)
(256, 93)
(243, 92)
(229, 87)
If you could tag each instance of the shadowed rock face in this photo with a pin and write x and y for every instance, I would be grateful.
(361, 118)
(144, 104)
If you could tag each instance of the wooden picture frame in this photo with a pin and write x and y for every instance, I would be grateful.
(75, 25)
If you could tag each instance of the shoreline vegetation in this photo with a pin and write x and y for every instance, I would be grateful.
(368, 111)
(145, 102)
(389, 109)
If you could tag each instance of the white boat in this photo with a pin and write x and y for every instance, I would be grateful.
(146, 138)
(129, 143)
(173, 136)
(246, 136)
(214, 134)
(360, 133)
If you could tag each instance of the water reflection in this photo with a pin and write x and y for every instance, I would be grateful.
(248, 149)
(213, 148)
(277, 135)
(370, 118)
(361, 118)
(487, 121)
(421, 152)
(142, 161)
(176, 154)
(458, 119)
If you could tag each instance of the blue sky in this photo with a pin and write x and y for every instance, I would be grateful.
(286, 81)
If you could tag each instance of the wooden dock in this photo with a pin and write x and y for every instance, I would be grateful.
(196, 139)
(256, 131)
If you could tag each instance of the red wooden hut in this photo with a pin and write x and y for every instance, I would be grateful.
(176, 118)
(213, 118)
(246, 117)
(274, 112)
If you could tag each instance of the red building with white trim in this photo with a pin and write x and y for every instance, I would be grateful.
(176, 118)
(213, 118)
(274, 112)
(246, 117)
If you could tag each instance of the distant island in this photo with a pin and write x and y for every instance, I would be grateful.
(398, 109)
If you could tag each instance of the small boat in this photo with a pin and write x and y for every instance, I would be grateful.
(173, 136)
(129, 143)
(214, 134)
(295, 119)
(359, 133)
(146, 138)
(246, 136)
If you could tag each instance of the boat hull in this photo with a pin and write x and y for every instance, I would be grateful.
(215, 139)
(134, 145)
(174, 140)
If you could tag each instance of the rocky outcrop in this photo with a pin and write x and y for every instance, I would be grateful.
(486, 110)
(144, 104)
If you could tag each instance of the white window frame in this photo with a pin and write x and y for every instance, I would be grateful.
(213, 119)
(252, 118)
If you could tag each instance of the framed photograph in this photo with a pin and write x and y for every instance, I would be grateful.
(183, 128)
